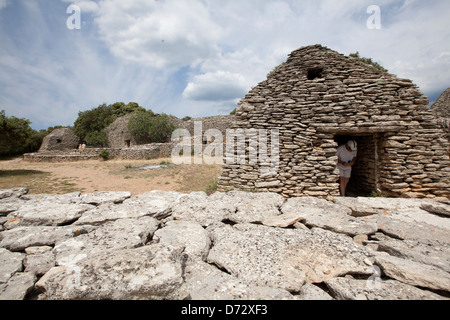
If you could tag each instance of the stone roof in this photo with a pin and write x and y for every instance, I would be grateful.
(442, 105)
(59, 140)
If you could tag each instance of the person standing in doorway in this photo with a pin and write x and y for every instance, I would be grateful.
(346, 159)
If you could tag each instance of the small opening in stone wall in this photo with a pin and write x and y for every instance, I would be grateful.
(58, 140)
(315, 73)
(128, 143)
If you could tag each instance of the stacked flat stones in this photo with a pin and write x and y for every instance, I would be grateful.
(318, 94)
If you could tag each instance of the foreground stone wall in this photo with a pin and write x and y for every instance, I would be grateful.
(319, 96)
(227, 246)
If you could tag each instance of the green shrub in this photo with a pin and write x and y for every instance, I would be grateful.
(91, 124)
(148, 127)
(104, 154)
(368, 61)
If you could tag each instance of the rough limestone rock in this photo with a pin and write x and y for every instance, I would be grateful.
(119, 234)
(206, 282)
(312, 292)
(98, 198)
(253, 207)
(10, 263)
(18, 239)
(234, 206)
(147, 273)
(45, 213)
(429, 252)
(234, 245)
(174, 233)
(353, 289)
(155, 204)
(198, 207)
(323, 214)
(18, 286)
(285, 258)
(414, 273)
(39, 263)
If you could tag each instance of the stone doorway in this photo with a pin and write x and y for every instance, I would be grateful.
(366, 172)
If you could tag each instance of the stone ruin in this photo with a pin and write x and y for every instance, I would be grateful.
(318, 99)
(61, 144)
(442, 110)
(59, 140)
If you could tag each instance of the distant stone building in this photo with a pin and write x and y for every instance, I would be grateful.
(441, 108)
(119, 135)
(319, 99)
(60, 139)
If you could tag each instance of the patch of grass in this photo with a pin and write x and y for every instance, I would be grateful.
(15, 173)
(212, 187)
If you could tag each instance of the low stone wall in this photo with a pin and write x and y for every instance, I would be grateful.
(143, 152)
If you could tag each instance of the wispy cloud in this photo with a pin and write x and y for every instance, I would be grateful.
(197, 57)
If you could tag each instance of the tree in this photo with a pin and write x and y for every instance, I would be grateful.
(90, 125)
(16, 136)
(368, 61)
(148, 127)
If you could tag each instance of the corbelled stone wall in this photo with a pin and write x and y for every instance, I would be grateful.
(442, 109)
(318, 98)
(150, 151)
(60, 139)
(119, 135)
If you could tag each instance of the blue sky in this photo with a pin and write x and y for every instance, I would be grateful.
(197, 57)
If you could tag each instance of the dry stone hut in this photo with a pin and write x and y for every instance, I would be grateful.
(442, 109)
(119, 136)
(60, 139)
(318, 99)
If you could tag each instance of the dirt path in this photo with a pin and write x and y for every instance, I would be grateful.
(113, 175)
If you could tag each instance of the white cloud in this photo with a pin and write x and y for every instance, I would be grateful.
(3, 4)
(85, 6)
(217, 86)
(159, 34)
(222, 47)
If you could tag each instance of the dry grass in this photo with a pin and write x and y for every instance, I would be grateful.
(113, 175)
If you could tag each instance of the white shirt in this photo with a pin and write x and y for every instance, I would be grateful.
(344, 155)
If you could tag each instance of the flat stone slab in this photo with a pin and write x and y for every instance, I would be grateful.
(324, 214)
(234, 245)
(119, 234)
(196, 245)
(10, 263)
(148, 273)
(353, 289)
(46, 213)
(98, 198)
(285, 258)
(18, 239)
(206, 282)
(414, 273)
